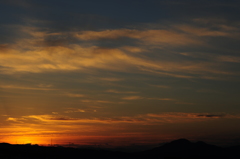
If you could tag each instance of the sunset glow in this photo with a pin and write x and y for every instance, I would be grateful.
(114, 73)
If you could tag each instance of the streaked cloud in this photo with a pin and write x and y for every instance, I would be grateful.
(71, 110)
(111, 79)
(12, 119)
(103, 101)
(170, 117)
(132, 97)
(148, 36)
(75, 95)
(134, 49)
(41, 87)
(98, 101)
(229, 59)
(164, 99)
(30, 55)
(120, 92)
(161, 86)
(184, 103)
(204, 31)
(80, 69)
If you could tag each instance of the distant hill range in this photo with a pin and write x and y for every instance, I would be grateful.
(178, 149)
(184, 149)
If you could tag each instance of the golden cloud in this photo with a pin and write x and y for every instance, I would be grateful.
(163, 118)
(132, 97)
(154, 37)
(26, 55)
(120, 92)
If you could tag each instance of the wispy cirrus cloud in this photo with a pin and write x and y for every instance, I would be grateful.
(225, 58)
(151, 98)
(164, 99)
(75, 95)
(72, 110)
(153, 37)
(161, 86)
(31, 53)
(203, 31)
(120, 92)
(112, 79)
(163, 118)
(99, 101)
(132, 97)
(40, 87)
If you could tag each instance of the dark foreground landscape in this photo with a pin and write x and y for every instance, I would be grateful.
(178, 149)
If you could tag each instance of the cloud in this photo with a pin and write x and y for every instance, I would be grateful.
(164, 99)
(29, 54)
(133, 49)
(184, 103)
(98, 101)
(120, 92)
(111, 79)
(190, 115)
(71, 110)
(45, 85)
(132, 97)
(61, 118)
(211, 116)
(3, 48)
(47, 118)
(77, 58)
(12, 119)
(225, 58)
(197, 31)
(103, 101)
(152, 119)
(74, 95)
(161, 86)
(87, 101)
(154, 37)
(41, 87)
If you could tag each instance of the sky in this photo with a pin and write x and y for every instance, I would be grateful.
(119, 72)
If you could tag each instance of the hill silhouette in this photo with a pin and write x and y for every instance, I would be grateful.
(178, 149)
(184, 149)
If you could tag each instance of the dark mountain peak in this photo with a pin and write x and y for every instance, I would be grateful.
(4, 144)
(178, 145)
(201, 143)
(186, 149)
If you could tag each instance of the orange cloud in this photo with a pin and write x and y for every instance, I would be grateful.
(43, 88)
(120, 92)
(111, 79)
(163, 118)
(75, 95)
(27, 55)
(59, 126)
(132, 97)
(75, 110)
(166, 99)
(154, 37)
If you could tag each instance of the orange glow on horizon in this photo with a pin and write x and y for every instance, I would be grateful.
(65, 140)
(28, 140)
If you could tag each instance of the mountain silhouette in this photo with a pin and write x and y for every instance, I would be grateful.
(177, 149)
(184, 149)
